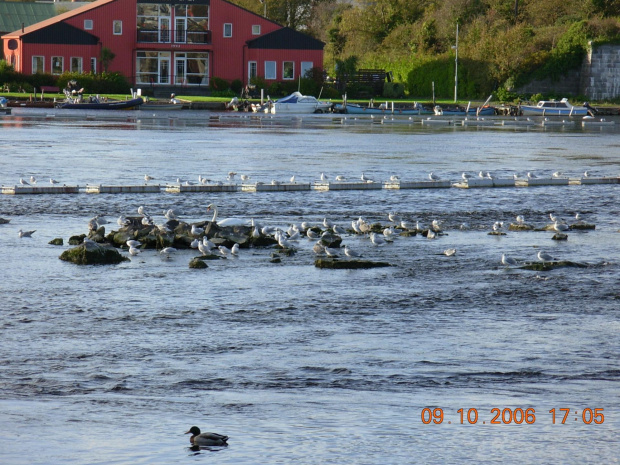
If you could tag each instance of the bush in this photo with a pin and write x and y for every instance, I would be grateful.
(218, 84)
(393, 90)
(236, 86)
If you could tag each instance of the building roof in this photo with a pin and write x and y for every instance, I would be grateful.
(60, 33)
(59, 18)
(13, 14)
(286, 39)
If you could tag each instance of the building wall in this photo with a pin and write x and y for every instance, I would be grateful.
(52, 50)
(280, 56)
(228, 57)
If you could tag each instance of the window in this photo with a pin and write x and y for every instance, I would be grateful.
(252, 70)
(93, 65)
(305, 67)
(192, 24)
(227, 29)
(153, 22)
(57, 65)
(256, 30)
(88, 24)
(288, 70)
(38, 65)
(270, 70)
(76, 65)
(117, 27)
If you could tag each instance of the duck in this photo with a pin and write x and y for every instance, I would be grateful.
(206, 439)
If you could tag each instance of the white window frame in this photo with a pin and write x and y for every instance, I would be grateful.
(250, 64)
(42, 59)
(275, 70)
(284, 78)
(117, 22)
(305, 68)
(230, 32)
(88, 24)
(93, 64)
(62, 65)
(256, 29)
(81, 70)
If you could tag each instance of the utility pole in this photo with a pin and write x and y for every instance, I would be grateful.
(456, 64)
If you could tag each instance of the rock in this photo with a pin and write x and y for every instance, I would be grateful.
(497, 233)
(77, 240)
(548, 266)
(4, 220)
(560, 237)
(582, 226)
(57, 241)
(520, 227)
(262, 241)
(197, 263)
(348, 264)
(408, 233)
(93, 254)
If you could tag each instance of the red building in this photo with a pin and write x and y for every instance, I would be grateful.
(164, 42)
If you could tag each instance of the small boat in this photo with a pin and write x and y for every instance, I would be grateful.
(151, 106)
(383, 109)
(4, 106)
(94, 103)
(554, 108)
(460, 111)
(296, 103)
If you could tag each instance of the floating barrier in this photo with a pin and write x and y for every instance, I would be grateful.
(437, 122)
(15, 190)
(557, 123)
(518, 122)
(178, 188)
(318, 186)
(276, 187)
(478, 122)
(594, 122)
(99, 189)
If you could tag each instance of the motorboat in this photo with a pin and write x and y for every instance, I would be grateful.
(4, 106)
(554, 108)
(99, 104)
(296, 103)
(461, 111)
(383, 109)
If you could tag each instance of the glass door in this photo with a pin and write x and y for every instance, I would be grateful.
(164, 70)
(180, 30)
(181, 70)
(164, 29)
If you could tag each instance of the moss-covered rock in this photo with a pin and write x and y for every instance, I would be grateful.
(497, 233)
(348, 264)
(582, 226)
(93, 254)
(57, 241)
(548, 266)
(520, 227)
(560, 237)
(197, 263)
(77, 240)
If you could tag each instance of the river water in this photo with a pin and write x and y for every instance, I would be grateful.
(112, 364)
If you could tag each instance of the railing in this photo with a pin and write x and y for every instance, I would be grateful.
(162, 36)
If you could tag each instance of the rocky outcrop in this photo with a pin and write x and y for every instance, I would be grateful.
(91, 253)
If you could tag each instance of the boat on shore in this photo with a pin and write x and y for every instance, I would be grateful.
(554, 108)
(295, 103)
(94, 103)
(383, 109)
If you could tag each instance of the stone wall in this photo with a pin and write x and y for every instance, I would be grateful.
(600, 76)
(598, 79)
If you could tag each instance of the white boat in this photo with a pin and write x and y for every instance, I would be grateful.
(296, 103)
(554, 108)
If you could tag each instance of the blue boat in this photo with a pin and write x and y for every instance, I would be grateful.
(460, 111)
(355, 109)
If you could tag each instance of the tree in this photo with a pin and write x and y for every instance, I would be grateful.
(106, 58)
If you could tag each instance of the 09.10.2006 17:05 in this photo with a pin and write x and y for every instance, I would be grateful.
(516, 416)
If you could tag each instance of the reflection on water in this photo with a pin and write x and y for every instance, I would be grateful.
(294, 363)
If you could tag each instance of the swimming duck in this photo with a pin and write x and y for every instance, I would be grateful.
(206, 439)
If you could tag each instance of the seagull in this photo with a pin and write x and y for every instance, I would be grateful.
(544, 257)
(553, 217)
(318, 248)
(365, 178)
(449, 252)
(338, 230)
(433, 177)
(508, 261)
(53, 181)
(22, 182)
(376, 240)
(340, 177)
(235, 249)
(394, 177)
(323, 177)
(431, 234)
(520, 219)
(142, 211)
(25, 233)
(148, 178)
(224, 250)
(133, 251)
(405, 225)
(231, 175)
(122, 221)
(327, 223)
(196, 231)
(132, 243)
(531, 175)
(578, 217)
(394, 218)
(170, 214)
(244, 177)
(351, 253)
(33, 180)
(194, 244)
(331, 252)
(586, 174)
(207, 243)
(557, 174)
(436, 224)
(311, 234)
(292, 179)
(559, 227)
(466, 176)
(481, 174)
